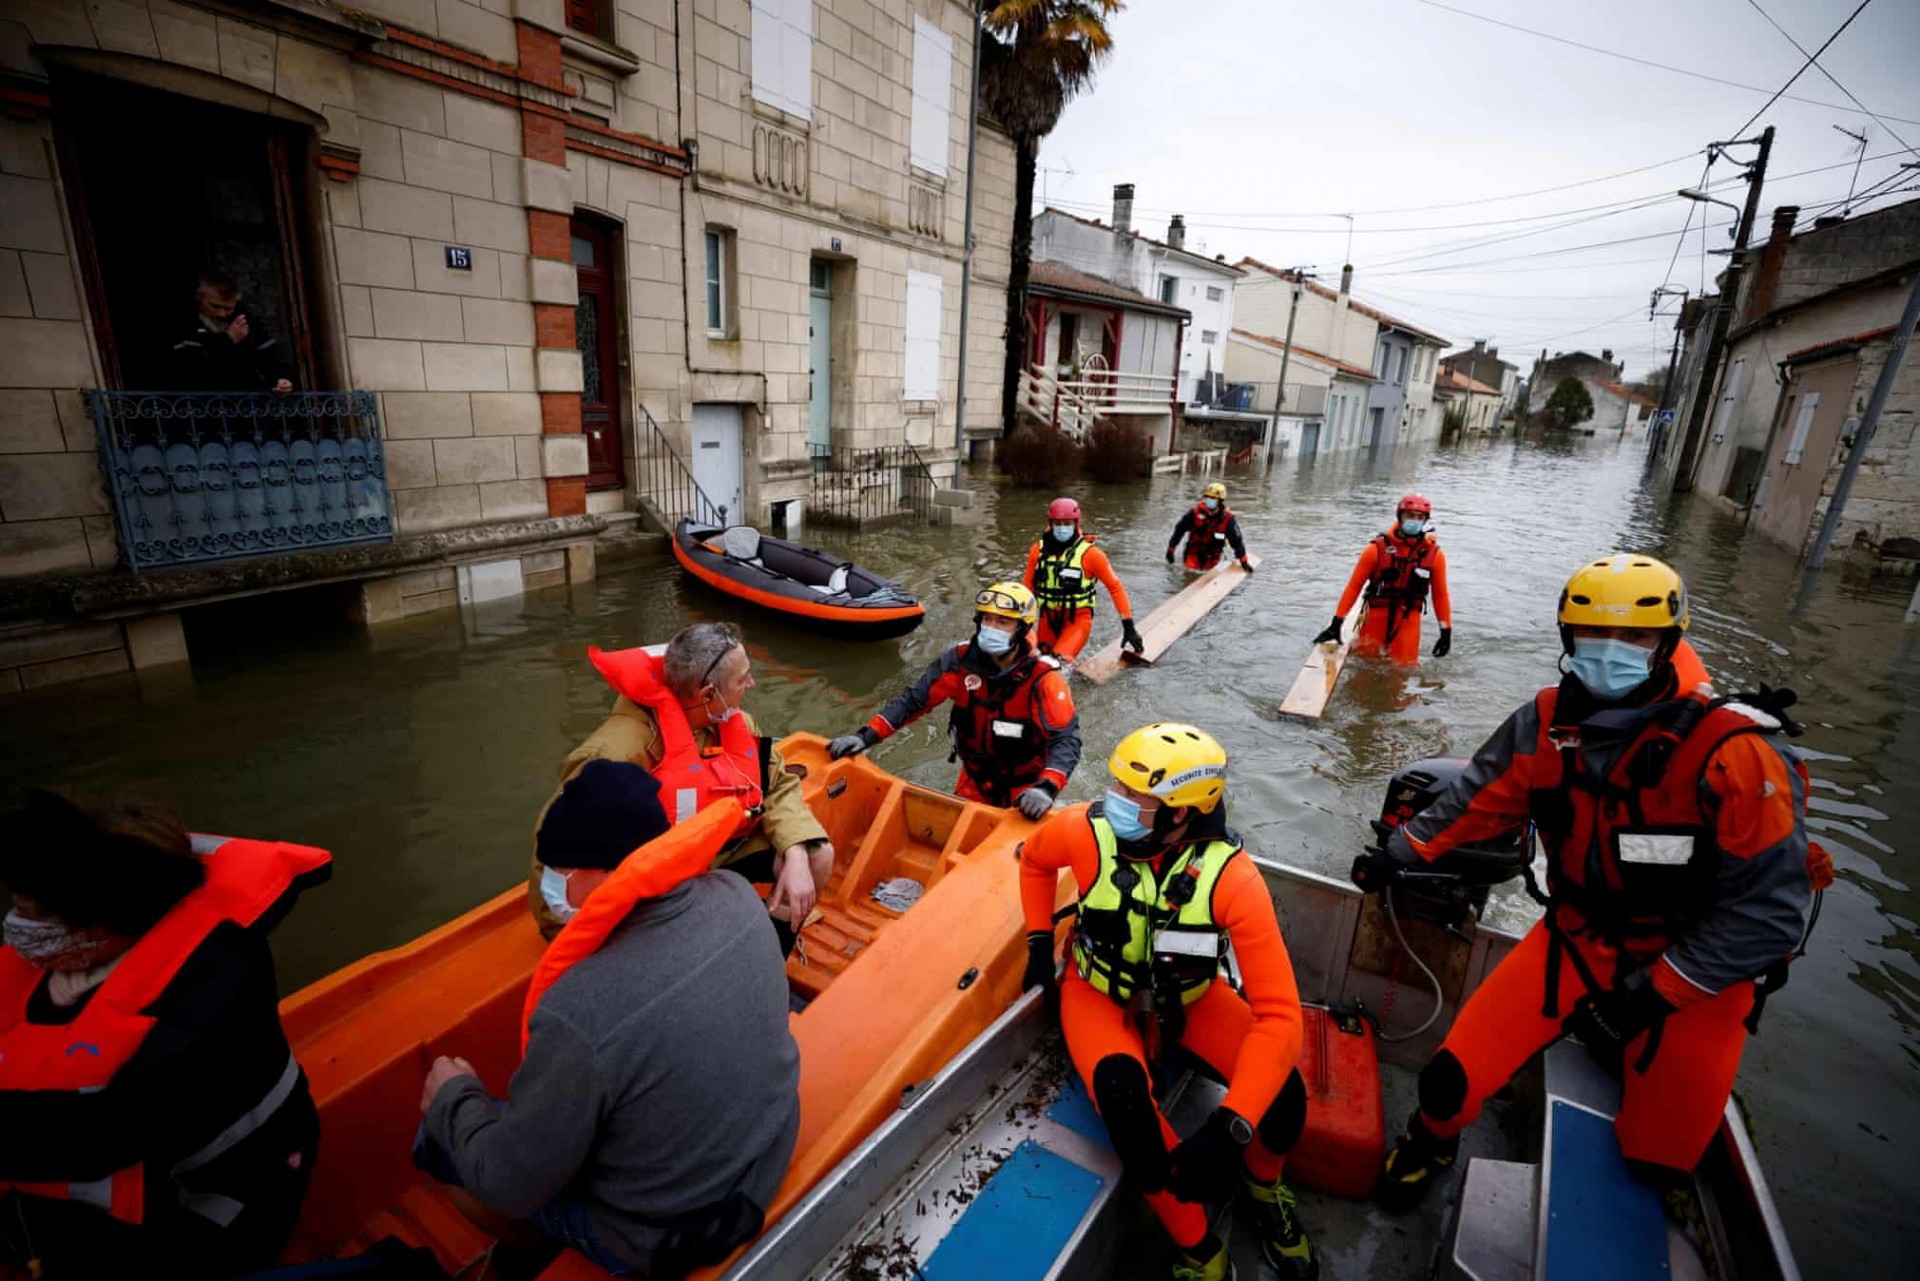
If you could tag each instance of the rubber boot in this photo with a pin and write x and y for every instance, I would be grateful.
(1415, 1163)
(1208, 1262)
(1283, 1241)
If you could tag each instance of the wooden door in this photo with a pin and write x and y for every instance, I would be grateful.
(1817, 405)
(596, 333)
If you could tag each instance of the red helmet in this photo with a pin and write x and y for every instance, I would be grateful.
(1063, 509)
(1415, 503)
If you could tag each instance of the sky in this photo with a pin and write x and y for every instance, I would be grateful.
(1264, 120)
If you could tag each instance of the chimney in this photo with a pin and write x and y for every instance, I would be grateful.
(1177, 233)
(1827, 220)
(1479, 346)
(1346, 280)
(1122, 208)
(1773, 255)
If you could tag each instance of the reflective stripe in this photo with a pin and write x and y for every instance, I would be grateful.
(212, 1207)
(1009, 729)
(1187, 943)
(1662, 850)
(255, 1118)
(98, 1194)
(686, 803)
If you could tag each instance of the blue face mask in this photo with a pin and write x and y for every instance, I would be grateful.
(1064, 533)
(553, 892)
(1609, 668)
(1123, 816)
(1412, 526)
(995, 641)
(1212, 504)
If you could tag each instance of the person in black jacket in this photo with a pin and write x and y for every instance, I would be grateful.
(223, 352)
(152, 1117)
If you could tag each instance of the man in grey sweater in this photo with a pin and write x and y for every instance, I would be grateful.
(658, 1103)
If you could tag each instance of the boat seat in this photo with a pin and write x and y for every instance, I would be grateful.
(741, 543)
(836, 582)
(1599, 1221)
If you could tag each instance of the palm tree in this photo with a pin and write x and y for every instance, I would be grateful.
(1043, 52)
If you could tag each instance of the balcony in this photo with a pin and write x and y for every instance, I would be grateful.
(209, 476)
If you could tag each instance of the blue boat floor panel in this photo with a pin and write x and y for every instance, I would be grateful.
(1018, 1222)
(1602, 1223)
(1073, 1110)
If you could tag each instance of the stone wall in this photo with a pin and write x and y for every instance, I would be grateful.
(1884, 506)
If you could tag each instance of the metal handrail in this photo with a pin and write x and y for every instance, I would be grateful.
(669, 484)
(863, 486)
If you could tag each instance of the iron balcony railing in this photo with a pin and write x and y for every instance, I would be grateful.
(869, 486)
(201, 476)
(667, 485)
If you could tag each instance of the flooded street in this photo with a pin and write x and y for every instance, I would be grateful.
(421, 752)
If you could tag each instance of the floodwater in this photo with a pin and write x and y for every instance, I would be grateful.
(420, 753)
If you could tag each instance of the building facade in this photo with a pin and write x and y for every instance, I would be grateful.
(1100, 350)
(529, 267)
(1477, 403)
(1549, 372)
(1483, 364)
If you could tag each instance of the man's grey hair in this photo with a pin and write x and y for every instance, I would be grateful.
(694, 652)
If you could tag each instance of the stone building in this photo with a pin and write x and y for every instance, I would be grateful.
(1550, 373)
(532, 267)
(1483, 364)
(1477, 403)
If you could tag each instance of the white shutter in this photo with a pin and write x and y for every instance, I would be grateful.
(932, 96)
(1802, 424)
(767, 86)
(923, 337)
(796, 58)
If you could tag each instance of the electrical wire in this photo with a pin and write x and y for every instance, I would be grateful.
(1829, 75)
(1811, 58)
(1406, 948)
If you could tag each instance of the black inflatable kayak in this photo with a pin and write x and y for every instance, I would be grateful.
(803, 583)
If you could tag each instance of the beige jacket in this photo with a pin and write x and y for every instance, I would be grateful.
(630, 734)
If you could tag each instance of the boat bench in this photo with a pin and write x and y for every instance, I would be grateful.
(1580, 1214)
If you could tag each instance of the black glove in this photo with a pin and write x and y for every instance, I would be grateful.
(1444, 644)
(1130, 636)
(1246, 564)
(1375, 870)
(1207, 1166)
(1040, 964)
(1332, 632)
(1169, 555)
(1606, 1023)
(852, 744)
(1035, 801)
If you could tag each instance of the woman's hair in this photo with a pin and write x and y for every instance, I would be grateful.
(120, 864)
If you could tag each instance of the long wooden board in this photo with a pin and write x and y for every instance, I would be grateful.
(1175, 617)
(1314, 685)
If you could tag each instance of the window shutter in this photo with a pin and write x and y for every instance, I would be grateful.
(796, 58)
(932, 96)
(1802, 424)
(922, 380)
(767, 86)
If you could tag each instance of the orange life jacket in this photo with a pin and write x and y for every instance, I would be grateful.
(1208, 537)
(681, 853)
(691, 777)
(996, 727)
(1402, 573)
(246, 880)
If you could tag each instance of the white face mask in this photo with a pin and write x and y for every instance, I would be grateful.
(725, 713)
(553, 892)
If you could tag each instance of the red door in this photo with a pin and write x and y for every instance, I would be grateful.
(595, 333)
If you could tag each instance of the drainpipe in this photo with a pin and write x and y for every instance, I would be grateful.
(966, 257)
(1286, 358)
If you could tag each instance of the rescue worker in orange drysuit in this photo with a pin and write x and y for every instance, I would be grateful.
(1209, 528)
(1061, 571)
(1677, 875)
(1398, 570)
(1014, 728)
(1163, 887)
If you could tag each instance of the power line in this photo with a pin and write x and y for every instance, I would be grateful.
(1646, 62)
(1681, 243)
(1788, 36)
(1811, 59)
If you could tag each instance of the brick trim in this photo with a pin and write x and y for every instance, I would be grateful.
(549, 235)
(621, 157)
(543, 138)
(567, 497)
(539, 56)
(560, 413)
(553, 327)
(400, 35)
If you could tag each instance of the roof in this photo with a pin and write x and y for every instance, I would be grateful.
(1214, 263)
(1352, 371)
(1372, 313)
(1058, 278)
(1839, 346)
(1879, 279)
(1447, 380)
(1625, 392)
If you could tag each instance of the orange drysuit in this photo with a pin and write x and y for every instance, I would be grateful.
(1063, 581)
(1698, 879)
(1397, 574)
(1252, 1042)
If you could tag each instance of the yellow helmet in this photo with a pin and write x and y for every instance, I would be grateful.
(1215, 490)
(1625, 590)
(1179, 764)
(1008, 600)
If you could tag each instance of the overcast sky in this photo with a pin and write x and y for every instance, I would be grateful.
(1261, 120)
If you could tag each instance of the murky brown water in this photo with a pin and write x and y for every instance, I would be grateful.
(421, 753)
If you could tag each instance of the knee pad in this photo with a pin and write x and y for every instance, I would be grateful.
(1125, 1100)
(1285, 1117)
(1443, 1086)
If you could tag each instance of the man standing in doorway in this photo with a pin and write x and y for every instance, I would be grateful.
(224, 352)
(1061, 571)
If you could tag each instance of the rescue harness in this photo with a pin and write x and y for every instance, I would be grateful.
(1401, 578)
(1061, 584)
(996, 731)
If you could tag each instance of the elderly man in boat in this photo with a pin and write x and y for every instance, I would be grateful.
(657, 1102)
(1014, 726)
(678, 716)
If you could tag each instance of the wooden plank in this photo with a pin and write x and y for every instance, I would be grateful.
(1314, 685)
(1175, 617)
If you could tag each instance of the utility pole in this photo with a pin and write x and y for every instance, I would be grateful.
(1286, 358)
(966, 256)
(1896, 350)
(1707, 386)
(1673, 363)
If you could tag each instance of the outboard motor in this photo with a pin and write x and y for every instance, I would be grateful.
(1459, 881)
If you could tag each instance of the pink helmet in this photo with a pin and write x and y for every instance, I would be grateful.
(1063, 509)
(1419, 503)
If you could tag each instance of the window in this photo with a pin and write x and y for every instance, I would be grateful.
(1802, 424)
(718, 284)
(587, 16)
(783, 55)
(1169, 289)
(1401, 375)
(1209, 337)
(923, 337)
(932, 96)
(1215, 293)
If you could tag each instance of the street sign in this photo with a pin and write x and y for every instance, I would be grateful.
(459, 258)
